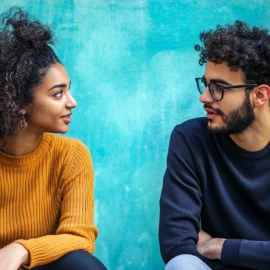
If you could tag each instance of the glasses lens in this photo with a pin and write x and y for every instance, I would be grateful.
(217, 91)
(201, 84)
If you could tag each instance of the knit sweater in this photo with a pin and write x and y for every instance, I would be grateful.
(47, 201)
(213, 184)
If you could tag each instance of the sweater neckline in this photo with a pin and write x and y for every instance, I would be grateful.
(16, 161)
(234, 148)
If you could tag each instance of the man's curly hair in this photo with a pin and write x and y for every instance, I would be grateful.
(240, 46)
(25, 57)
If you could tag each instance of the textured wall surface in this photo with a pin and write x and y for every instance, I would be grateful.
(132, 66)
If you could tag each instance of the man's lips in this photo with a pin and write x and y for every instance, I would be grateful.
(211, 114)
(209, 111)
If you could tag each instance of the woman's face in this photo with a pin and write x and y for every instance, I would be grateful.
(52, 105)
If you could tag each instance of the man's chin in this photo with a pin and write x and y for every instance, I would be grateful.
(214, 124)
(217, 129)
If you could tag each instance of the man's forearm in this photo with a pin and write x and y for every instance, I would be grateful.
(246, 253)
(251, 254)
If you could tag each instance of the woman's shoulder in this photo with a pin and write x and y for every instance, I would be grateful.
(65, 145)
(70, 157)
(59, 140)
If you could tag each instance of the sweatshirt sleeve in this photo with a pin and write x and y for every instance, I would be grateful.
(180, 201)
(245, 253)
(76, 228)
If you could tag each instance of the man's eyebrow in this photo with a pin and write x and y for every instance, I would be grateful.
(217, 80)
(61, 85)
(220, 81)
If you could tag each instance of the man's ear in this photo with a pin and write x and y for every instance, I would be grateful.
(262, 95)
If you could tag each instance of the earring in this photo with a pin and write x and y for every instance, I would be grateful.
(23, 123)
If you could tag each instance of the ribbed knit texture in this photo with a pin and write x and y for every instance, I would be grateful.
(47, 200)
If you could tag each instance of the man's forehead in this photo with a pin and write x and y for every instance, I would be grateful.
(214, 71)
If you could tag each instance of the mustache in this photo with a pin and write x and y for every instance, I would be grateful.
(216, 110)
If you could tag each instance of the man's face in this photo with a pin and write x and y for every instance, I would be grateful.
(234, 113)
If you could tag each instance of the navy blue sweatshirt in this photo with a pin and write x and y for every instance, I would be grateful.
(213, 184)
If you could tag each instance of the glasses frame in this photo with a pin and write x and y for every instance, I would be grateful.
(223, 88)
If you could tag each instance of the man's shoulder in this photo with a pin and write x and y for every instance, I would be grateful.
(193, 127)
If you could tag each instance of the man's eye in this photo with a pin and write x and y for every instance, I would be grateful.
(217, 87)
(58, 94)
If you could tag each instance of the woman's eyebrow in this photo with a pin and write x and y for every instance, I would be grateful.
(61, 85)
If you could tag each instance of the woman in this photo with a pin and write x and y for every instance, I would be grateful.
(46, 181)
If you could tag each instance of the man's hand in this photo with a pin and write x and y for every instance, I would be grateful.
(209, 247)
(13, 256)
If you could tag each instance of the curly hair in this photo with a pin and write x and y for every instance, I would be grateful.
(25, 57)
(240, 46)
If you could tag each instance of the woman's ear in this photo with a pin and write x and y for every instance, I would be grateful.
(26, 110)
(262, 95)
(23, 111)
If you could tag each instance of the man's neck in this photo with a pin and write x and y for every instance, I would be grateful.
(255, 137)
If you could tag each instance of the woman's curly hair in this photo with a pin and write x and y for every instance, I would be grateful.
(25, 57)
(240, 46)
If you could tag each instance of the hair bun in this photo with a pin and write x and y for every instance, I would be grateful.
(29, 33)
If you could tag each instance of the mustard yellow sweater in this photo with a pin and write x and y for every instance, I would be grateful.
(47, 201)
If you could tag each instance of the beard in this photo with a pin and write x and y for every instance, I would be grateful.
(236, 121)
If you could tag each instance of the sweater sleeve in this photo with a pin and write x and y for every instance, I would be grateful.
(245, 253)
(76, 228)
(180, 201)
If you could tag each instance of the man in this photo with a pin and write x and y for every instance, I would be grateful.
(215, 201)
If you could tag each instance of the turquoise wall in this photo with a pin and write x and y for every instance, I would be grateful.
(132, 67)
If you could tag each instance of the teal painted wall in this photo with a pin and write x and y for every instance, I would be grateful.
(132, 67)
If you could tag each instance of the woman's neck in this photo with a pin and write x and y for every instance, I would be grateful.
(22, 144)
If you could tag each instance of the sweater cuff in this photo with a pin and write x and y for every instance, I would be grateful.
(230, 252)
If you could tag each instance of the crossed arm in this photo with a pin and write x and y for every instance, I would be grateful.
(251, 254)
(180, 214)
(209, 247)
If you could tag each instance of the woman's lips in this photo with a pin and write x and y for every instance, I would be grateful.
(66, 118)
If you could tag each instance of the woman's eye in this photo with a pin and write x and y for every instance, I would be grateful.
(58, 94)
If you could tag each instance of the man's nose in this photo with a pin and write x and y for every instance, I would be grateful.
(206, 96)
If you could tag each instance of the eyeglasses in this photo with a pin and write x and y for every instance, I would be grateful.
(216, 90)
